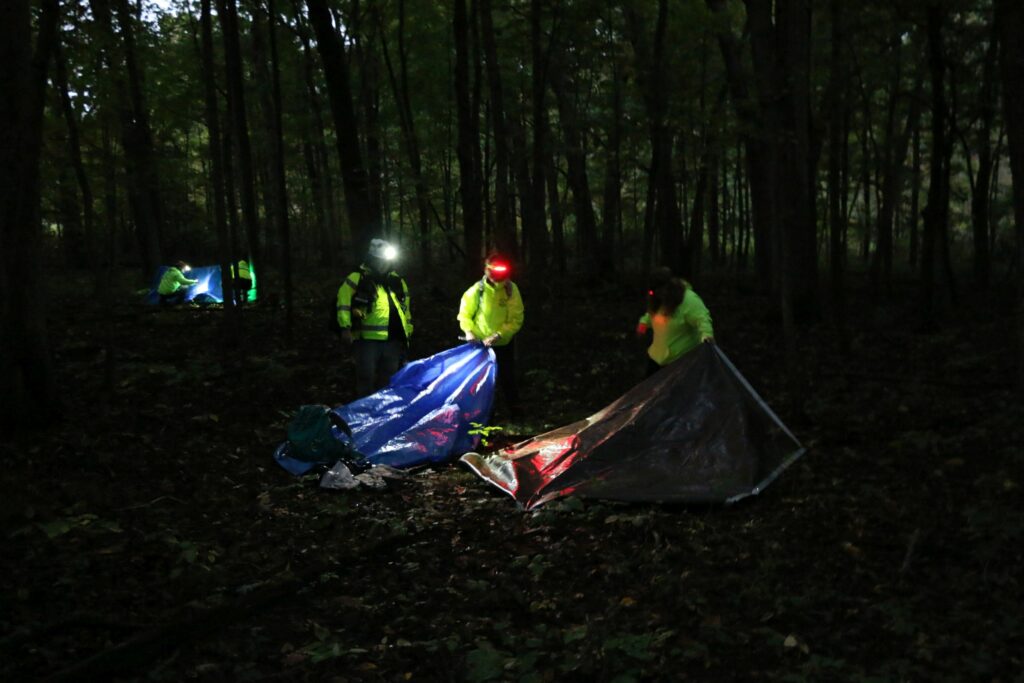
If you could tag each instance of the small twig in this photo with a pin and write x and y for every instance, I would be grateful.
(152, 502)
(911, 545)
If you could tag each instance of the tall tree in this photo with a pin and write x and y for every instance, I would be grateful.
(468, 144)
(27, 379)
(77, 162)
(281, 189)
(504, 226)
(363, 220)
(407, 124)
(227, 13)
(1009, 17)
(136, 135)
(935, 247)
(216, 151)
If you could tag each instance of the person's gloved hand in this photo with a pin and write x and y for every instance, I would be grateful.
(469, 336)
(707, 339)
(346, 335)
(489, 341)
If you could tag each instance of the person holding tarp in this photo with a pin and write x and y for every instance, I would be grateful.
(678, 317)
(491, 312)
(375, 317)
(174, 285)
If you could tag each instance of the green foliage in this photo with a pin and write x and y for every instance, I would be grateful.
(484, 431)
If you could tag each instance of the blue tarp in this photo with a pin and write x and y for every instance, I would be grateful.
(208, 289)
(423, 415)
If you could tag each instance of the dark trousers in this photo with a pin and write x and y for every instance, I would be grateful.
(506, 357)
(177, 297)
(241, 287)
(376, 361)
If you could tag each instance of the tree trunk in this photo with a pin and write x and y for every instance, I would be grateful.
(611, 207)
(504, 223)
(136, 138)
(318, 163)
(982, 187)
(468, 144)
(216, 151)
(1009, 18)
(27, 377)
(836, 132)
(576, 160)
(362, 220)
(369, 97)
(91, 251)
(936, 213)
(555, 202)
(761, 152)
(400, 89)
(281, 193)
(536, 228)
(227, 14)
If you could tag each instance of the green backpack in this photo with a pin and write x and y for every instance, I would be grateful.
(312, 436)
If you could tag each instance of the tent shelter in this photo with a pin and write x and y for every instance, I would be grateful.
(425, 413)
(694, 432)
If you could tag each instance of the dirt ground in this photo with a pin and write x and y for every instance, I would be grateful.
(150, 535)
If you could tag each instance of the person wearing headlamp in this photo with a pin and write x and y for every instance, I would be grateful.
(491, 312)
(375, 317)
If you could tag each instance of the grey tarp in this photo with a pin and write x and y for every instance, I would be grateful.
(694, 432)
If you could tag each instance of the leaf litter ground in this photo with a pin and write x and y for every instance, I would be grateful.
(149, 535)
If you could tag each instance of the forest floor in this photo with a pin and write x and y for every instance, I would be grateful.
(150, 535)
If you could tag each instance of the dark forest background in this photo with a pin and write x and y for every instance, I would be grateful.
(842, 182)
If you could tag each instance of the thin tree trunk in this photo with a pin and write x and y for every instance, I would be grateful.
(936, 218)
(91, 255)
(400, 89)
(468, 147)
(363, 221)
(216, 151)
(982, 186)
(281, 193)
(536, 229)
(27, 377)
(136, 137)
(227, 14)
(504, 226)
(1009, 18)
(576, 160)
(836, 142)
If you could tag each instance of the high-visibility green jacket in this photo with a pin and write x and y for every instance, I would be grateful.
(243, 271)
(363, 304)
(681, 331)
(489, 307)
(172, 280)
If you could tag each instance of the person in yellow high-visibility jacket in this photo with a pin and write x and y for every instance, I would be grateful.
(375, 317)
(678, 317)
(241, 281)
(173, 287)
(491, 312)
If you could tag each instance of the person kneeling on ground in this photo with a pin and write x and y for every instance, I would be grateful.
(678, 317)
(174, 285)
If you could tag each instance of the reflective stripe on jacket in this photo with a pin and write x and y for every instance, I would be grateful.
(488, 307)
(365, 310)
(243, 271)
